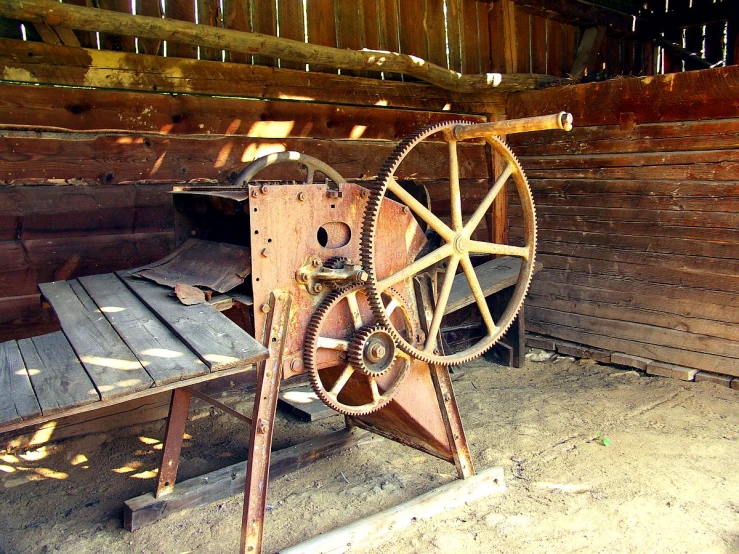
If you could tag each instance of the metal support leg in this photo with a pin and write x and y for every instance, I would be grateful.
(179, 407)
(260, 442)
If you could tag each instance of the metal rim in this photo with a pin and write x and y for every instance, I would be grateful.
(456, 246)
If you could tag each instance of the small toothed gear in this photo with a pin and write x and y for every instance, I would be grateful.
(372, 350)
(457, 246)
(350, 385)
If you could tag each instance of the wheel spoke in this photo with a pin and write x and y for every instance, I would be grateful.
(477, 292)
(351, 299)
(446, 288)
(341, 381)
(390, 308)
(421, 211)
(454, 193)
(419, 265)
(480, 247)
(484, 206)
(375, 391)
(332, 344)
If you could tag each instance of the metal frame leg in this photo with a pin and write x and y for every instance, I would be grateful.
(260, 441)
(179, 407)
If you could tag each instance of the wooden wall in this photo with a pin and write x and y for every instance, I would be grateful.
(85, 174)
(467, 36)
(638, 214)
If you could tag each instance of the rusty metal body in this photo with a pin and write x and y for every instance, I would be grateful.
(348, 287)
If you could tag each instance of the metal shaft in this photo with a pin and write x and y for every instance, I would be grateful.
(561, 120)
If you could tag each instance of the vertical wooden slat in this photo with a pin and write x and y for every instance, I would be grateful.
(648, 58)
(470, 40)
(290, 16)
(539, 45)
(613, 55)
(672, 63)
(371, 23)
(209, 13)
(523, 42)
(572, 40)
(483, 29)
(454, 32)
(321, 28)
(116, 42)
(151, 9)
(264, 20)
(435, 31)
(556, 50)
(350, 28)
(183, 10)
(388, 27)
(236, 16)
(412, 40)
(694, 43)
(732, 41)
(87, 39)
(715, 42)
(497, 36)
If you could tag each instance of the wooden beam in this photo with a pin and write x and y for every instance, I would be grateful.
(575, 12)
(91, 19)
(223, 483)
(41, 63)
(587, 52)
(370, 529)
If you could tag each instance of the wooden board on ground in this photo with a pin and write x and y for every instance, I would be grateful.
(18, 399)
(144, 510)
(114, 369)
(219, 342)
(303, 403)
(58, 378)
(162, 354)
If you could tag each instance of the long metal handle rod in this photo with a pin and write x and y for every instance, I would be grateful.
(561, 120)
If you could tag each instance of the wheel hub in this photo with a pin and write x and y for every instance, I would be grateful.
(372, 350)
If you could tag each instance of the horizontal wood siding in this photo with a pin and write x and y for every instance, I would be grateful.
(85, 174)
(638, 215)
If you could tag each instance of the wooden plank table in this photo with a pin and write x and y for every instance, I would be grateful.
(122, 338)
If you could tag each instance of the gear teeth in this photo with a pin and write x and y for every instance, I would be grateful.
(368, 237)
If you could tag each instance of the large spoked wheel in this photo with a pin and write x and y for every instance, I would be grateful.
(457, 245)
(353, 362)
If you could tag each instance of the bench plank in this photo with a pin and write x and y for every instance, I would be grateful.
(58, 378)
(17, 400)
(494, 276)
(162, 354)
(217, 340)
(112, 366)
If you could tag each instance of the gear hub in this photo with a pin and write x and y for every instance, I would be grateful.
(372, 350)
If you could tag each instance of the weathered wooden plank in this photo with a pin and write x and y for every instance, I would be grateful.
(24, 316)
(350, 29)
(608, 305)
(322, 29)
(469, 35)
(522, 42)
(114, 369)
(607, 341)
(264, 21)
(114, 159)
(645, 245)
(433, 22)
(604, 275)
(223, 483)
(720, 171)
(119, 43)
(290, 16)
(670, 189)
(183, 10)
(219, 342)
(29, 262)
(165, 358)
(18, 399)
(45, 63)
(539, 45)
(237, 16)
(58, 378)
(209, 13)
(152, 9)
(710, 94)
(629, 160)
(493, 276)
(410, 20)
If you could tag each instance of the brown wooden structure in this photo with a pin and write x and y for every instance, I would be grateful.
(102, 110)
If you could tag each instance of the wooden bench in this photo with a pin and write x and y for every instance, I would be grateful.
(496, 277)
(122, 338)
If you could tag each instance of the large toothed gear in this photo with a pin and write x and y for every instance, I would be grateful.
(457, 243)
(358, 369)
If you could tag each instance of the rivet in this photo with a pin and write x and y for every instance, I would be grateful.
(301, 196)
(253, 193)
(264, 189)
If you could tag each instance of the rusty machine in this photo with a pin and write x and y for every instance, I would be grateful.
(351, 283)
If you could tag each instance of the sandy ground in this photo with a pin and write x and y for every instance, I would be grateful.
(668, 481)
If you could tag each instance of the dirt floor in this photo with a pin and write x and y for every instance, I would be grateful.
(667, 481)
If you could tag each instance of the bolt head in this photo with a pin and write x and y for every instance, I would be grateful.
(301, 196)
(264, 189)
(264, 308)
(316, 262)
(253, 193)
(376, 352)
